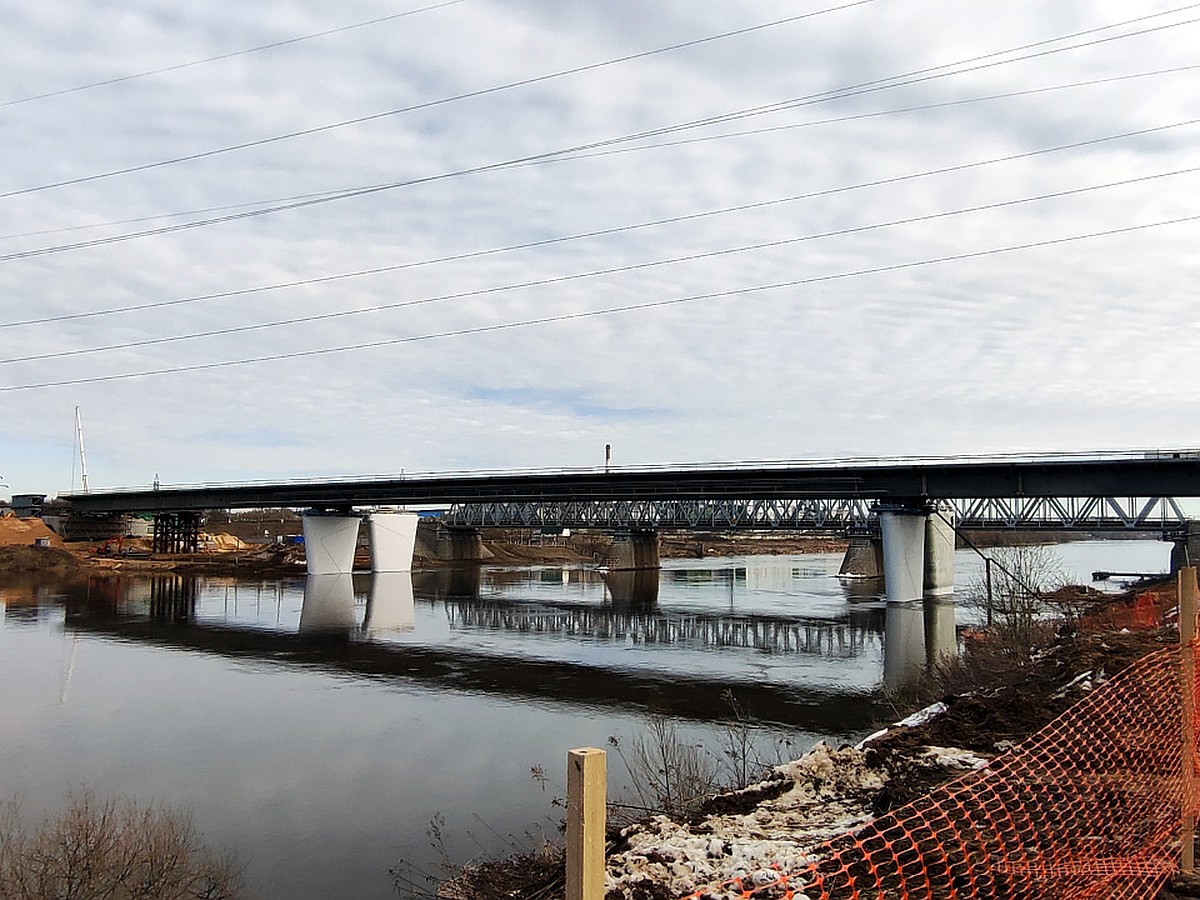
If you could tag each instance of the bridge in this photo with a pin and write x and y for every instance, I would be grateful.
(843, 515)
(914, 501)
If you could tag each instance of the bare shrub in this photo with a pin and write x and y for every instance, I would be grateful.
(1021, 577)
(745, 759)
(109, 849)
(668, 774)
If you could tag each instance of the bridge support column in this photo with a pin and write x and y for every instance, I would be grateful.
(176, 532)
(864, 557)
(460, 544)
(636, 548)
(903, 530)
(329, 542)
(393, 536)
(939, 553)
(918, 551)
(1186, 551)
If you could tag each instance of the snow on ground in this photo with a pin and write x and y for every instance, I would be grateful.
(831, 792)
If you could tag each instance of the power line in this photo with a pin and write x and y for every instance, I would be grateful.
(604, 232)
(427, 104)
(906, 79)
(875, 114)
(222, 56)
(596, 313)
(253, 205)
(614, 270)
(917, 77)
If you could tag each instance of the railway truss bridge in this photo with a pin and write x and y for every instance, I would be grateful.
(847, 515)
(903, 512)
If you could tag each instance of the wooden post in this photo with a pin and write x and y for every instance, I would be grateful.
(1186, 586)
(586, 785)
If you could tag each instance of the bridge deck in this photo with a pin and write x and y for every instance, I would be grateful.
(1140, 474)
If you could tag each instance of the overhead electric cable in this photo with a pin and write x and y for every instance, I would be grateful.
(614, 270)
(871, 87)
(812, 123)
(323, 279)
(873, 114)
(428, 104)
(595, 313)
(274, 45)
(888, 83)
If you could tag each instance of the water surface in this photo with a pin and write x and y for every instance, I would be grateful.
(318, 727)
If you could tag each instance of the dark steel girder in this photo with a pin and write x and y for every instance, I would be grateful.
(1127, 475)
(1154, 514)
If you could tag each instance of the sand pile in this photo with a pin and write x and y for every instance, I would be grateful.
(25, 532)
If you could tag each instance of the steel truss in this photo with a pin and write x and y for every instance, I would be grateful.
(1033, 513)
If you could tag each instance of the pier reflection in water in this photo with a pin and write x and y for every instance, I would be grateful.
(691, 624)
(581, 616)
(918, 635)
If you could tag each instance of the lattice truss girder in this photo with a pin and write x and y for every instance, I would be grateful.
(1149, 513)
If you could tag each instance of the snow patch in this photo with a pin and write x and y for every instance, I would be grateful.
(953, 758)
(1084, 681)
(870, 737)
(831, 792)
(921, 716)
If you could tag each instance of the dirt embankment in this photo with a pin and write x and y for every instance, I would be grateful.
(28, 546)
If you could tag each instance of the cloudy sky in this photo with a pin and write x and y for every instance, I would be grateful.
(283, 239)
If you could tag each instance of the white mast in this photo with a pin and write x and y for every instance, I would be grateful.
(82, 452)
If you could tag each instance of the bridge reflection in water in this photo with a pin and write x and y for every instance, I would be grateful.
(575, 635)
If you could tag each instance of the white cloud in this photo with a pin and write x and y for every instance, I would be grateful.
(1077, 345)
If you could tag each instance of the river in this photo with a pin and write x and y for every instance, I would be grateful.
(322, 729)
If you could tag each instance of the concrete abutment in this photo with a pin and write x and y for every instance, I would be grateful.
(636, 548)
(461, 545)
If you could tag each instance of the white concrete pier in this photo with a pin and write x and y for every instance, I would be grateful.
(329, 542)
(939, 553)
(903, 553)
(918, 551)
(393, 536)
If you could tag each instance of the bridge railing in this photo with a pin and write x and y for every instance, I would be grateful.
(713, 466)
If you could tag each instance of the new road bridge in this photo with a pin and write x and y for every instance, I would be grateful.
(916, 503)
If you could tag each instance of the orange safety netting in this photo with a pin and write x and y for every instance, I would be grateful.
(1089, 807)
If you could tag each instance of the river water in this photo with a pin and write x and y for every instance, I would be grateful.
(322, 729)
